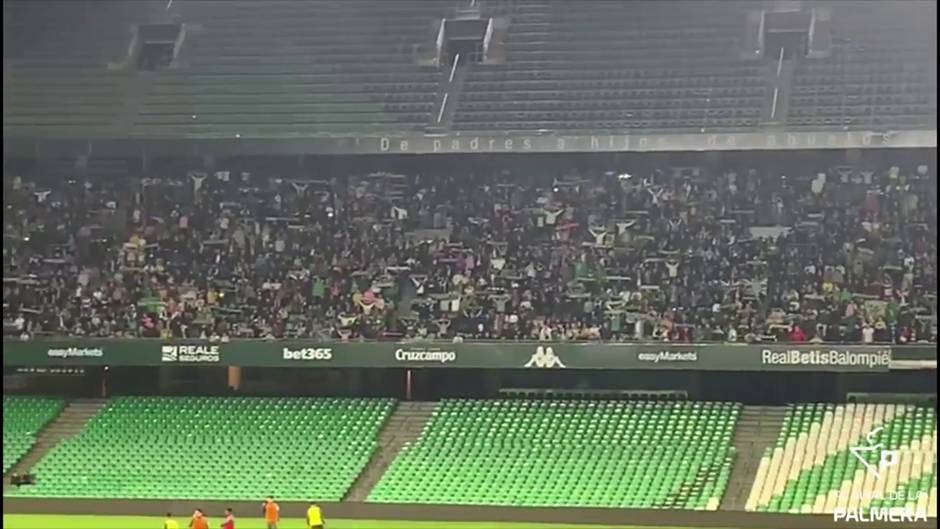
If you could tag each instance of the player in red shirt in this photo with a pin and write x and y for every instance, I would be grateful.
(229, 521)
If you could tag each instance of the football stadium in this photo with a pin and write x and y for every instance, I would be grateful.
(469, 264)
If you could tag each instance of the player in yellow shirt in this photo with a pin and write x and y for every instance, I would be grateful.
(314, 517)
(170, 523)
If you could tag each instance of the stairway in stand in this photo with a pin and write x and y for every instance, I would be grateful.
(403, 427)
(68, 424)
(757, 430)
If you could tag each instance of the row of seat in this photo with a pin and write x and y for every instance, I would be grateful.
(574, 83)
(291, 51)
(815, 466)
(558, 56)
(859, 110)
(863, 79)
(248, 41)
(610, 105)
(824, 123)
(880, 50)
(567, 453)
(645, 125)
(861, 98)
(610, 96)
(23, 417)
(285, 51)
(564, 77)
(215, 448)
(586, 45)
(600, 115)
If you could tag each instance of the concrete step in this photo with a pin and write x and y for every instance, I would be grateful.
(403, 427)
(757, 429)
(69, 423)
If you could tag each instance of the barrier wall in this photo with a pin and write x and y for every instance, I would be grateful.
(485, 355)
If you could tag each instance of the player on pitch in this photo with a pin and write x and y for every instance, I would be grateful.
(199, 520)
(170, 523)
(314, 517)
(272, 513)
(229, 521)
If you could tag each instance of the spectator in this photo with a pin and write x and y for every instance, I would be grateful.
(868, 333)
(682, 255)
(797, 335)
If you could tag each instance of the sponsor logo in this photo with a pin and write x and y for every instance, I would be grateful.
(545, 358)
(817, 357)
(308, 353)
(668, 356)
(190, 353)
(425, 355)
(75, 352)
(51, 370)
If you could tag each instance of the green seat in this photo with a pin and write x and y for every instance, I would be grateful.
(904, 428)
(559, 452)
(215, 448)
(23, 418)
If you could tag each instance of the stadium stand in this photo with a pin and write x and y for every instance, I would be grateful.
(596, 66)
(567, 453)
(288, 68)
(23, 417)
(813, 470)
(559, 257)
(113, 234)
(189, 447)
(56, 79)
(277, 68)
(301, 69)
(882, 71)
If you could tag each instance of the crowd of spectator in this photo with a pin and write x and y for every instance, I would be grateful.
(684, 254)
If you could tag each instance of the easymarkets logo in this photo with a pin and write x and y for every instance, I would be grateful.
(425, 355)
(668, 356)
(75, 352)
(832, 357)
(190, 353)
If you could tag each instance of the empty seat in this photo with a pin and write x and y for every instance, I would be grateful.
(215, 448)
(567, 453)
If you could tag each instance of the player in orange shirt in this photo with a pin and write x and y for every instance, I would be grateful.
(272, 513)
(199, 520)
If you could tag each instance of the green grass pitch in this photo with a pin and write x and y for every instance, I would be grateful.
(40, 521)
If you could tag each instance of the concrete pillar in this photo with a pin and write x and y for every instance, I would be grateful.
(234, 377)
